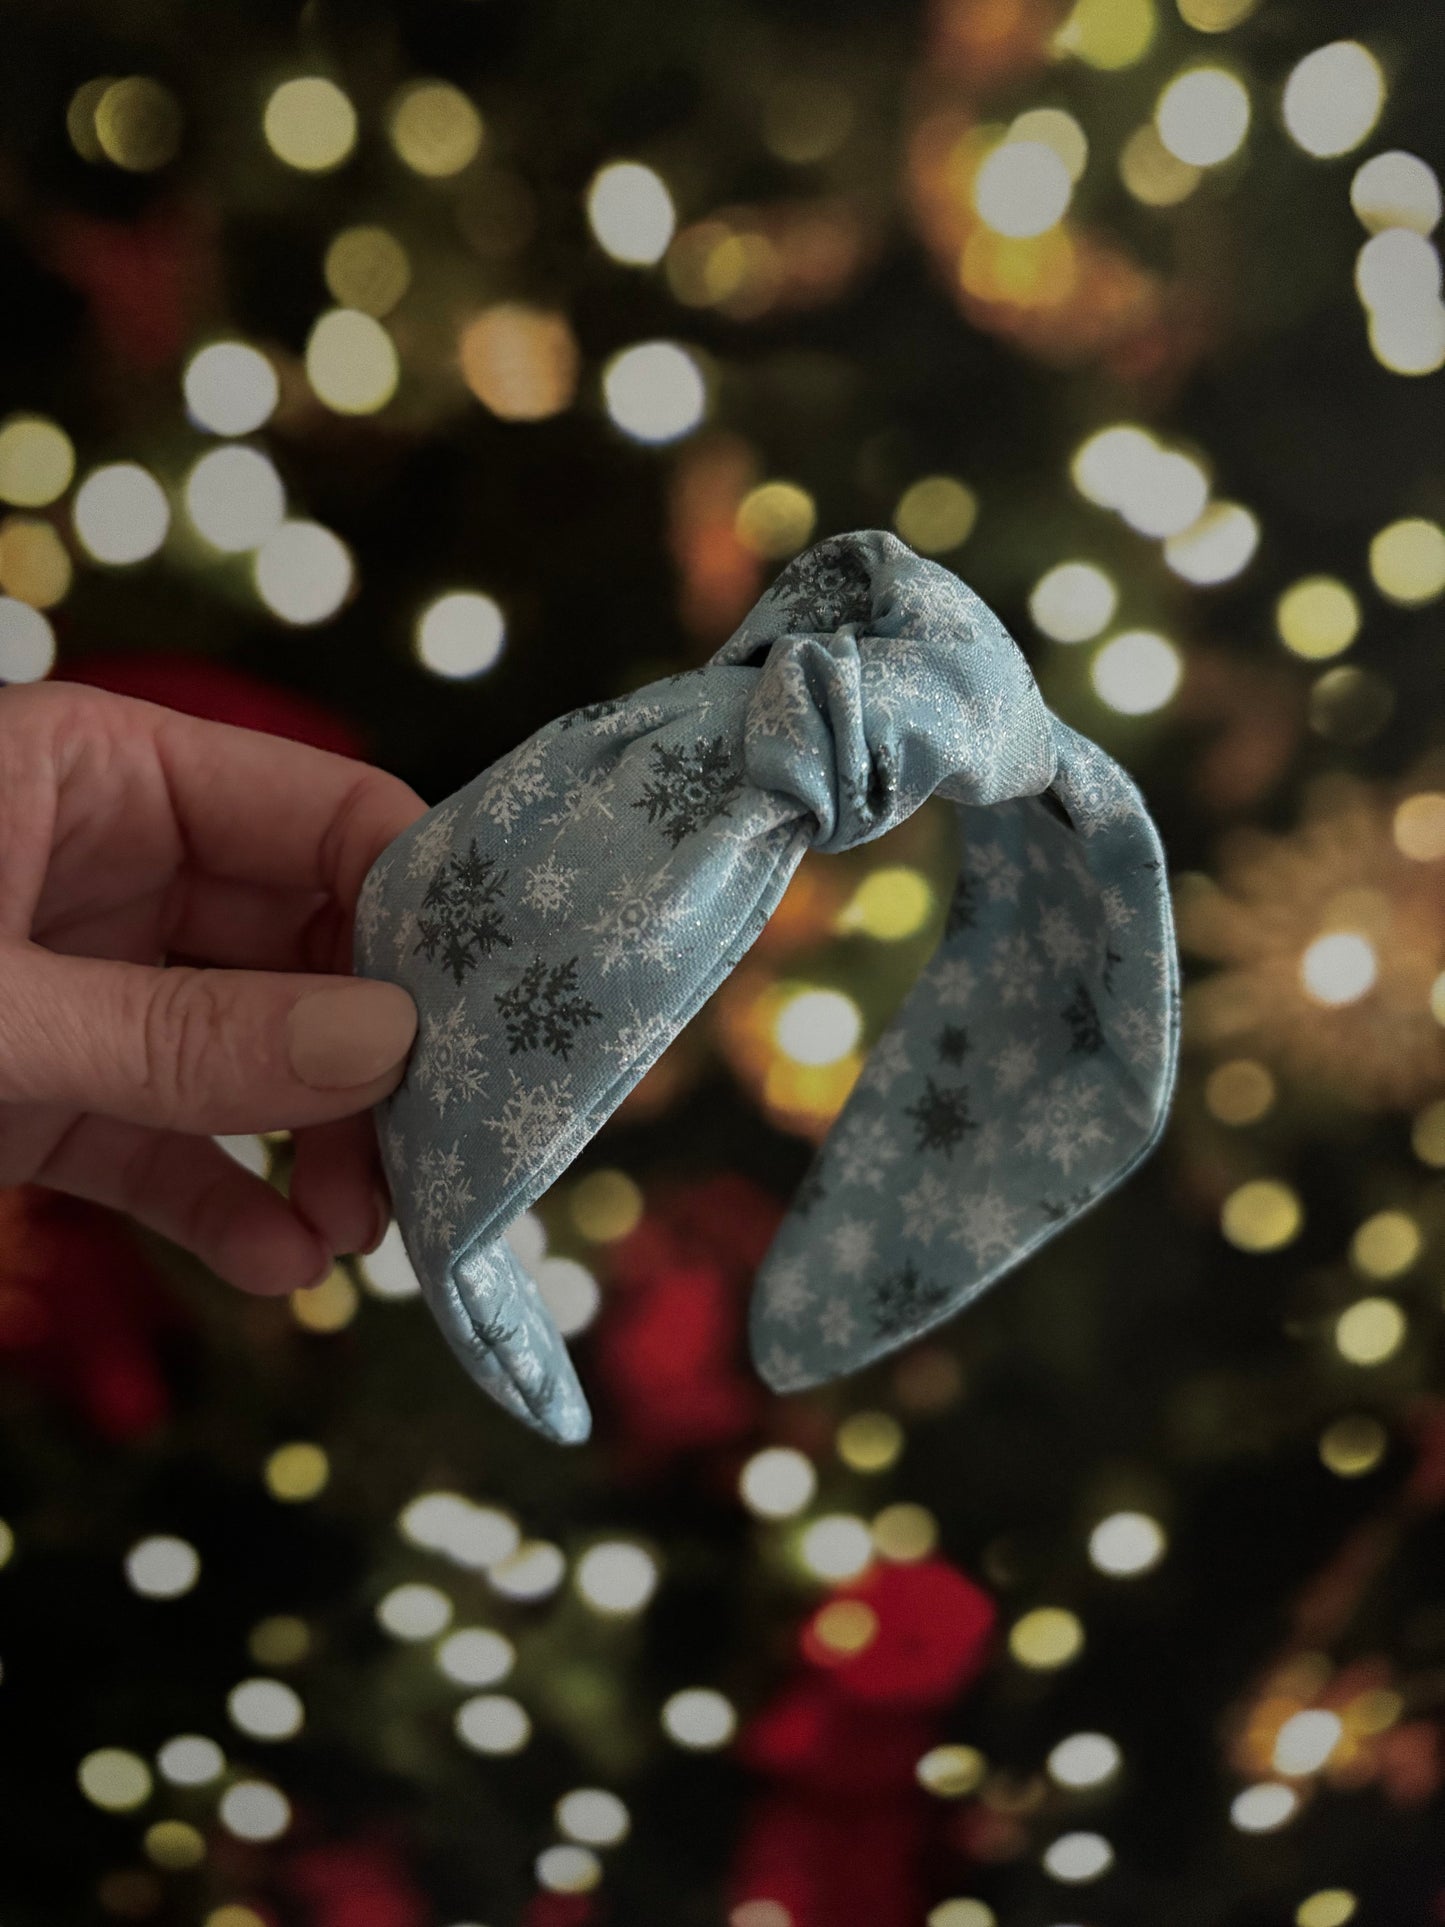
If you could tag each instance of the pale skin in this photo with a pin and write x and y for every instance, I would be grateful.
(169, 889)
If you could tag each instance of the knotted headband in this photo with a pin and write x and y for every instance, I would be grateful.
(560, 918)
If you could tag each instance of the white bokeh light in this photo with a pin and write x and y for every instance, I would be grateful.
(1203, 116)
(1022, 188)
(777, 1482)
(1262, 1808)
(593, 1816)
(616, 1577)
(162, 1567)
(1074, 602)
(1306, 1741)
(235, 498)
(267, 1709)
(570, 1292)
(27, 642)
(655, 392)
(230, 388)
(1396, 189)
(1333, 98)
(414, 1611)
(1077, 1857)
(476, 1656)
(121, 513)
(1217, 547)
(190, 1759)
(493, 1723)
(254, 1810)
(1084, 1759)
(631, 212)
(387, 1272)
(303, 573)
(699, 1718)
(1126, 1543)
(535, 1569)
(460, 634)
(1339, 968)
(1136, 672)
(818, 1027)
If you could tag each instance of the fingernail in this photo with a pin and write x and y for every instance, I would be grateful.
(323, 1270)
(350, 1033)
(380, 1220)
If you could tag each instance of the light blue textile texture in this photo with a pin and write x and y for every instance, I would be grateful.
(560, 918)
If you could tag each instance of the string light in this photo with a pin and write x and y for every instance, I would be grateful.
(1262, 1214)
(1056, 129)
(616, 1578)
(1203, 116)
(1333, 98)
(593, 1817)
(191, 1760)
(1077, 1857)
(255, 1810)
(1215, 16)
(162, 1567)
(327, 1307)
(1073, 602)
(121, 513)
(631, 212)
(234, 497)
(460, 634)
(303, 573)
(904, 1532)
(655, 392)
(27, 642)
(1419, 827)
(1127, 1543)
(37, 461)
(1136, 672)
(1263, 1808)
(493, 1723)
(699, 1718)
(1084, 1760)
(438, 1521)
(267, 1709)
(414, 1611)
(778, 1482)
(476, 1656)
(310, 124)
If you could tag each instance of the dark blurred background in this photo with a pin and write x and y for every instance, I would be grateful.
(396, 376)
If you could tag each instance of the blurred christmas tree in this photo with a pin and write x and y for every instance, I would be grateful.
(396, 376)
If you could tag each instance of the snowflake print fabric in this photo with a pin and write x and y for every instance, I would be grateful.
(560, 919)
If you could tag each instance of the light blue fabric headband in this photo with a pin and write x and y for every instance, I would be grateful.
(560, 918)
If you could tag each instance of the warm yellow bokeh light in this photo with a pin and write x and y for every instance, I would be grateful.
(174, 1845)
(1047, 1637)
(1370, 1331)
(1203, 116)
(1056, 129)
(775, 519)
(34, 564)
(1386, 1244)
(351, 362)
(846, 1626)
(1261, 1215)
(1427, 1135)
(1339, 968)
(1317, 617)
(890, 904)
(1151, 173)
(138, 124)
(806, 117)
(281, 1639)
(1407, 561)
(1333, 98)
(1215, 16)
(631, 212)
(327, 1307)
(1108, 34)
(1353, 1445)
(434, 128)
(368, 269)
(1239, 1092)
(519, 361)
(605, 1206)
(951, 1771)
(1136, 672)
(310, 124)
(296, 1472)
(37, 461)
(870, 1441)
(1330, 1907)
(905, 1532)
(936, 514)
(1419, 827)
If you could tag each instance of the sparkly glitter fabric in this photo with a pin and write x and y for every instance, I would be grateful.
(560, 918)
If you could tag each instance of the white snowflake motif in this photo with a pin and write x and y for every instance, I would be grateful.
(989, 740)
(1015, 1064)
(780, 702)
(515, 783)
(447, 1068)
(863, 1151)
(780, 1366)
(1001, 876)
(1161, 969)
(928, 1208)
(432, 841)
(1061, 1122)
(896, 682)
(395, 1147)
(404, 936)
(536, 1120)
(887, 1062)
(441, 1192)
(1094, 790)
(1117, 913)
(1039, 861)
(549, 886)
(637, 921)
(1062, 938)
(788, 1293)
(645, 717)
(988, 1146)
(1015, 969)
(641, 1038)
(369, 913)
(586, 798)
(1138, 1031)
(954, 983)
(837, 1324)
(987, 1225)
(851, 1243)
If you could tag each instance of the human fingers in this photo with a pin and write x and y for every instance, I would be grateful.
(337, 1184)
(194, 1193)
(195, 1049)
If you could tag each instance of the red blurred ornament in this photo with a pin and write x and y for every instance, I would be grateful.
(199, 686)
(670, 1347)
(355, 1883)
(934, 1627)
(148, 281)
(833, 1862)
(81, 1310)
(560, 1910)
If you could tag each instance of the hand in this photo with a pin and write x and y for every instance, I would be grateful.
(176, 904)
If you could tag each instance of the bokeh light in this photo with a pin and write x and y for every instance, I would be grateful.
(534, 1570)
(568, 1869)
(1084, 1759)
(1151, 173)
(1108, 34)
(837, 1546)
(522, 363)
(303, 573)
(1073, 602)
(190, 1759)
(1263, 1214)
(255, 1810)
(1022, 188)
(37, 461)
(174, 1845)
(297, 1472)
(460, 634)
(1215, 548)
(1333, 98)
(1127, 1543)
(1353, 1445)
(775, 519)
(1407, 561)
(1306, 1741)
(1330, 1907)
(434, 128)
(351, 362)
(935, 514)
(616, 1577)
(267, 1709)
(121, 513)
(1136, 672)
(605, 1206)
(27, 642)
(951, 1771)
(367, 269)
(870, 1441)
(1419, 826)
(655, 392)
(890, 904)
(310, 124)
(570, 1292)
(1370, 1331)
(414, 1611)
(1317, 617)
(1339, 968)
(699, 1718)
(631, 212)
(230, 388)
(162, 1567)
(476, 1656)
(115, 1779)
(593, 1816)
(1239, 1092)
(1387, 1244)
(904, 1532)
(777, 1482)
(1077, 1857)
(137, 124)
(235, 498)
(1396, 189)
(818, 1026)
(493, 1723)
(1047, 1637)
(1203, 116)
(1262, 1808)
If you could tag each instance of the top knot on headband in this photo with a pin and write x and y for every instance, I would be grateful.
(560, 918)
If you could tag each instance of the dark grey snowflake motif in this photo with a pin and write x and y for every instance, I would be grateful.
(461, 913)
(824, 587)
(962, 911)
(1086, 1033)
(545, 1009)
(1112, 960)
(810, 1190)
(1056, 1210)
(593, 712)
(940, 1117)
(903, 1301)
(952, 1045)
(876, 797)
(687, 789)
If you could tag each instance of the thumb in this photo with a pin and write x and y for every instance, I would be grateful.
(191, 1049)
